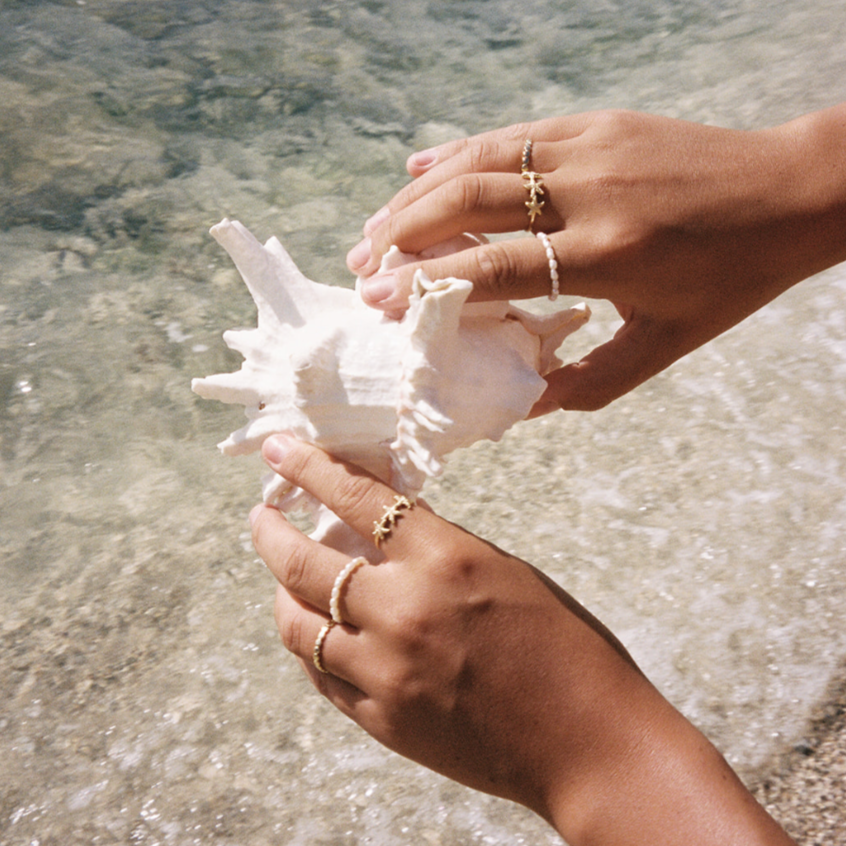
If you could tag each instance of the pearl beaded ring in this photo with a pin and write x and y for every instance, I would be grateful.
(341, 578)
(553, 264)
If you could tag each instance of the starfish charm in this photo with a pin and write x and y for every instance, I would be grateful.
(382, 527)
(534, 182)
(534, 208)
(534, 185)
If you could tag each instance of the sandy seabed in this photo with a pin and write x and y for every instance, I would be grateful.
(146, 696)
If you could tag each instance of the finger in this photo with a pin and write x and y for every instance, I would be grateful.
(549, 129)
(499, 151)
(640, 349)
(479, 190)
(517, 268)
(489, 156)
(489, 203)
(346, 654)
(359, 499)
(307, 569)
(488, 149)
(299, 629)
(471, 203)
(486, 154)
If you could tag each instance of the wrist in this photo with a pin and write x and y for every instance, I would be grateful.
(810, 182)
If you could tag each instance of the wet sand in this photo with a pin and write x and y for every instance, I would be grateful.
(805, 788)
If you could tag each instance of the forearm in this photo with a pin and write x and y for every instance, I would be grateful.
(612, 762)
(666, 786)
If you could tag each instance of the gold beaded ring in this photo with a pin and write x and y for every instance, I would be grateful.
(317, 652)
(383, 526)
(533, 183)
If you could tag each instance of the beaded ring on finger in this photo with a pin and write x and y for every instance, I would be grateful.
(553, 264)
(317, 651)
(340, 580)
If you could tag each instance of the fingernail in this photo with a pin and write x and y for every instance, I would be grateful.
(254, 513)
(378, 288)
(275, 448)
(376, 220)
(359, 255)
(423, 159)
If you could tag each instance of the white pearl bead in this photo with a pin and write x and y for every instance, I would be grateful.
(553, 263)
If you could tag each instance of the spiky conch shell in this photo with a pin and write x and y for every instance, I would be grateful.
(393, 396)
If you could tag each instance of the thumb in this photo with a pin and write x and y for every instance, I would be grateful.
(641, 348)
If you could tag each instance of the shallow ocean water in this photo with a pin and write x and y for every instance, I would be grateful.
(146, 698)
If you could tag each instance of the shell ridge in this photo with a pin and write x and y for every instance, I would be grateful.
(434, 317)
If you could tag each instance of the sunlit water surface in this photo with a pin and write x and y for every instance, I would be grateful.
(146, 698)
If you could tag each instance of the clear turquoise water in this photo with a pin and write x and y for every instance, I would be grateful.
(145, 696)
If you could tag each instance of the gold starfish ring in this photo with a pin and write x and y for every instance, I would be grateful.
(383, 526)
(533, 183)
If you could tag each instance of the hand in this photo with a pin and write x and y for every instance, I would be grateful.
(686, 228)
(478, 666)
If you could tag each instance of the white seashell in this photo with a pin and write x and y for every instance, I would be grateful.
(393, 396)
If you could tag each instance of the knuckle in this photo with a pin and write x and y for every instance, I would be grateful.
(351, 492)
(404, 687)
(398, 229)
(606, 242)
(614, 123)
(292, 632)
(268, 537)
(621, 241)
(482, 154)
(420, 679)
(518, 131)
(467, 193)
(593, 402)
(406, 623)
(259, 532)
(321, 684)
(390, 232)
(477, 156)
(299, 464)
(294, 570)
(410, 194)
(400, 693)
(497, 271)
